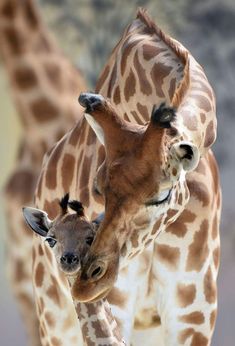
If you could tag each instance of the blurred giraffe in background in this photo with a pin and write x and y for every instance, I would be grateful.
(45, 86)
(169, 282)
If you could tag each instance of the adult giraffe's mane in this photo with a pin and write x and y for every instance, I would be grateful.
(177, 48)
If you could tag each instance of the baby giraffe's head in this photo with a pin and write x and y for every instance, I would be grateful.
(69, 235)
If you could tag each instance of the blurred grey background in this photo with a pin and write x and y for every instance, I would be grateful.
(87, 30)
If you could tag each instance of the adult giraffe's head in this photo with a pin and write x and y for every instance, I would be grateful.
(153, 80)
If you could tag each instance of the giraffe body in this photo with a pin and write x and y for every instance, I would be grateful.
(44, 87)
(167, 270)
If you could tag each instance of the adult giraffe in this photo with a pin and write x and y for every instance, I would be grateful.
(169, 281)
(44, 85)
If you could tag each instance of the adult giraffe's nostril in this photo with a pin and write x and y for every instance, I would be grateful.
(96, 271)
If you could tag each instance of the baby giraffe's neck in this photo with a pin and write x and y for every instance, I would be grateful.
(98, 325)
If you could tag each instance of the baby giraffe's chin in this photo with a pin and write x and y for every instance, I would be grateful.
(70, 270)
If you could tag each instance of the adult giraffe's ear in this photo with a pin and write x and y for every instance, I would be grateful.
(187, 154)
(37, 220)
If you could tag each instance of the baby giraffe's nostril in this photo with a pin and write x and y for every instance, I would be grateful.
(75, 259)
(69, 258)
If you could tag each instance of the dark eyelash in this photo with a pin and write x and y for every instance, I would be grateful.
(156, 203)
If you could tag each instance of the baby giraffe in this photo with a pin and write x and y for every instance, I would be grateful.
(70, 236)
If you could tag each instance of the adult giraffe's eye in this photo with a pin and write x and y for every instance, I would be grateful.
(89, 240)
(161, 198)
(51, 241)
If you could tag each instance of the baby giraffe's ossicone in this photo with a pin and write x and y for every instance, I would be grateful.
(69, 234)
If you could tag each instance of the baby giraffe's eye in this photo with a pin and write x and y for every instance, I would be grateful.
(51, 242)
(89, 240)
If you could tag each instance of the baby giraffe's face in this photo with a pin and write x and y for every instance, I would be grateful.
(69, 235)
(70, 238)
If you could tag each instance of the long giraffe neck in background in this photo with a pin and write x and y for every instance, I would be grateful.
(45, 85)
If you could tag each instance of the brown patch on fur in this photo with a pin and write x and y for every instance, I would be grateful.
(213, 319)
(179, 227)
(53, 294)
(198, 249)
(168, 255)
(31, 15)
(112, 80)
(158, 74)
(143, 111)
(130, 84)
(74, 135)
(171, 213)
(156, 227)
(195, 317)
(210, 135)
(44, 110)
(185, 294)
(144, 84)
(51, 168)
(55, 341)
(67, 171)
(39, 275)
(8, 10)
(203, 117)
(150, 52)
(117, 297)
(68, 323)
(53, 73)
(25, 78)
(40, 250)
(52, 208)
(26, 301)
(126, 51)
(101, 329)
(102, 78)
(216, 257)
(117, 95)
(199, 191)
(199, 339)
(50, 319)
(209, 287)
(15, 40)
(21, 185)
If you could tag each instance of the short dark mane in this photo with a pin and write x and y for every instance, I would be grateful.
(178, 49)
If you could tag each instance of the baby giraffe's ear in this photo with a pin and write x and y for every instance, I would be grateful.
(37, 220)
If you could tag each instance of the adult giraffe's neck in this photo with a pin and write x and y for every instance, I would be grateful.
(45, 85)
